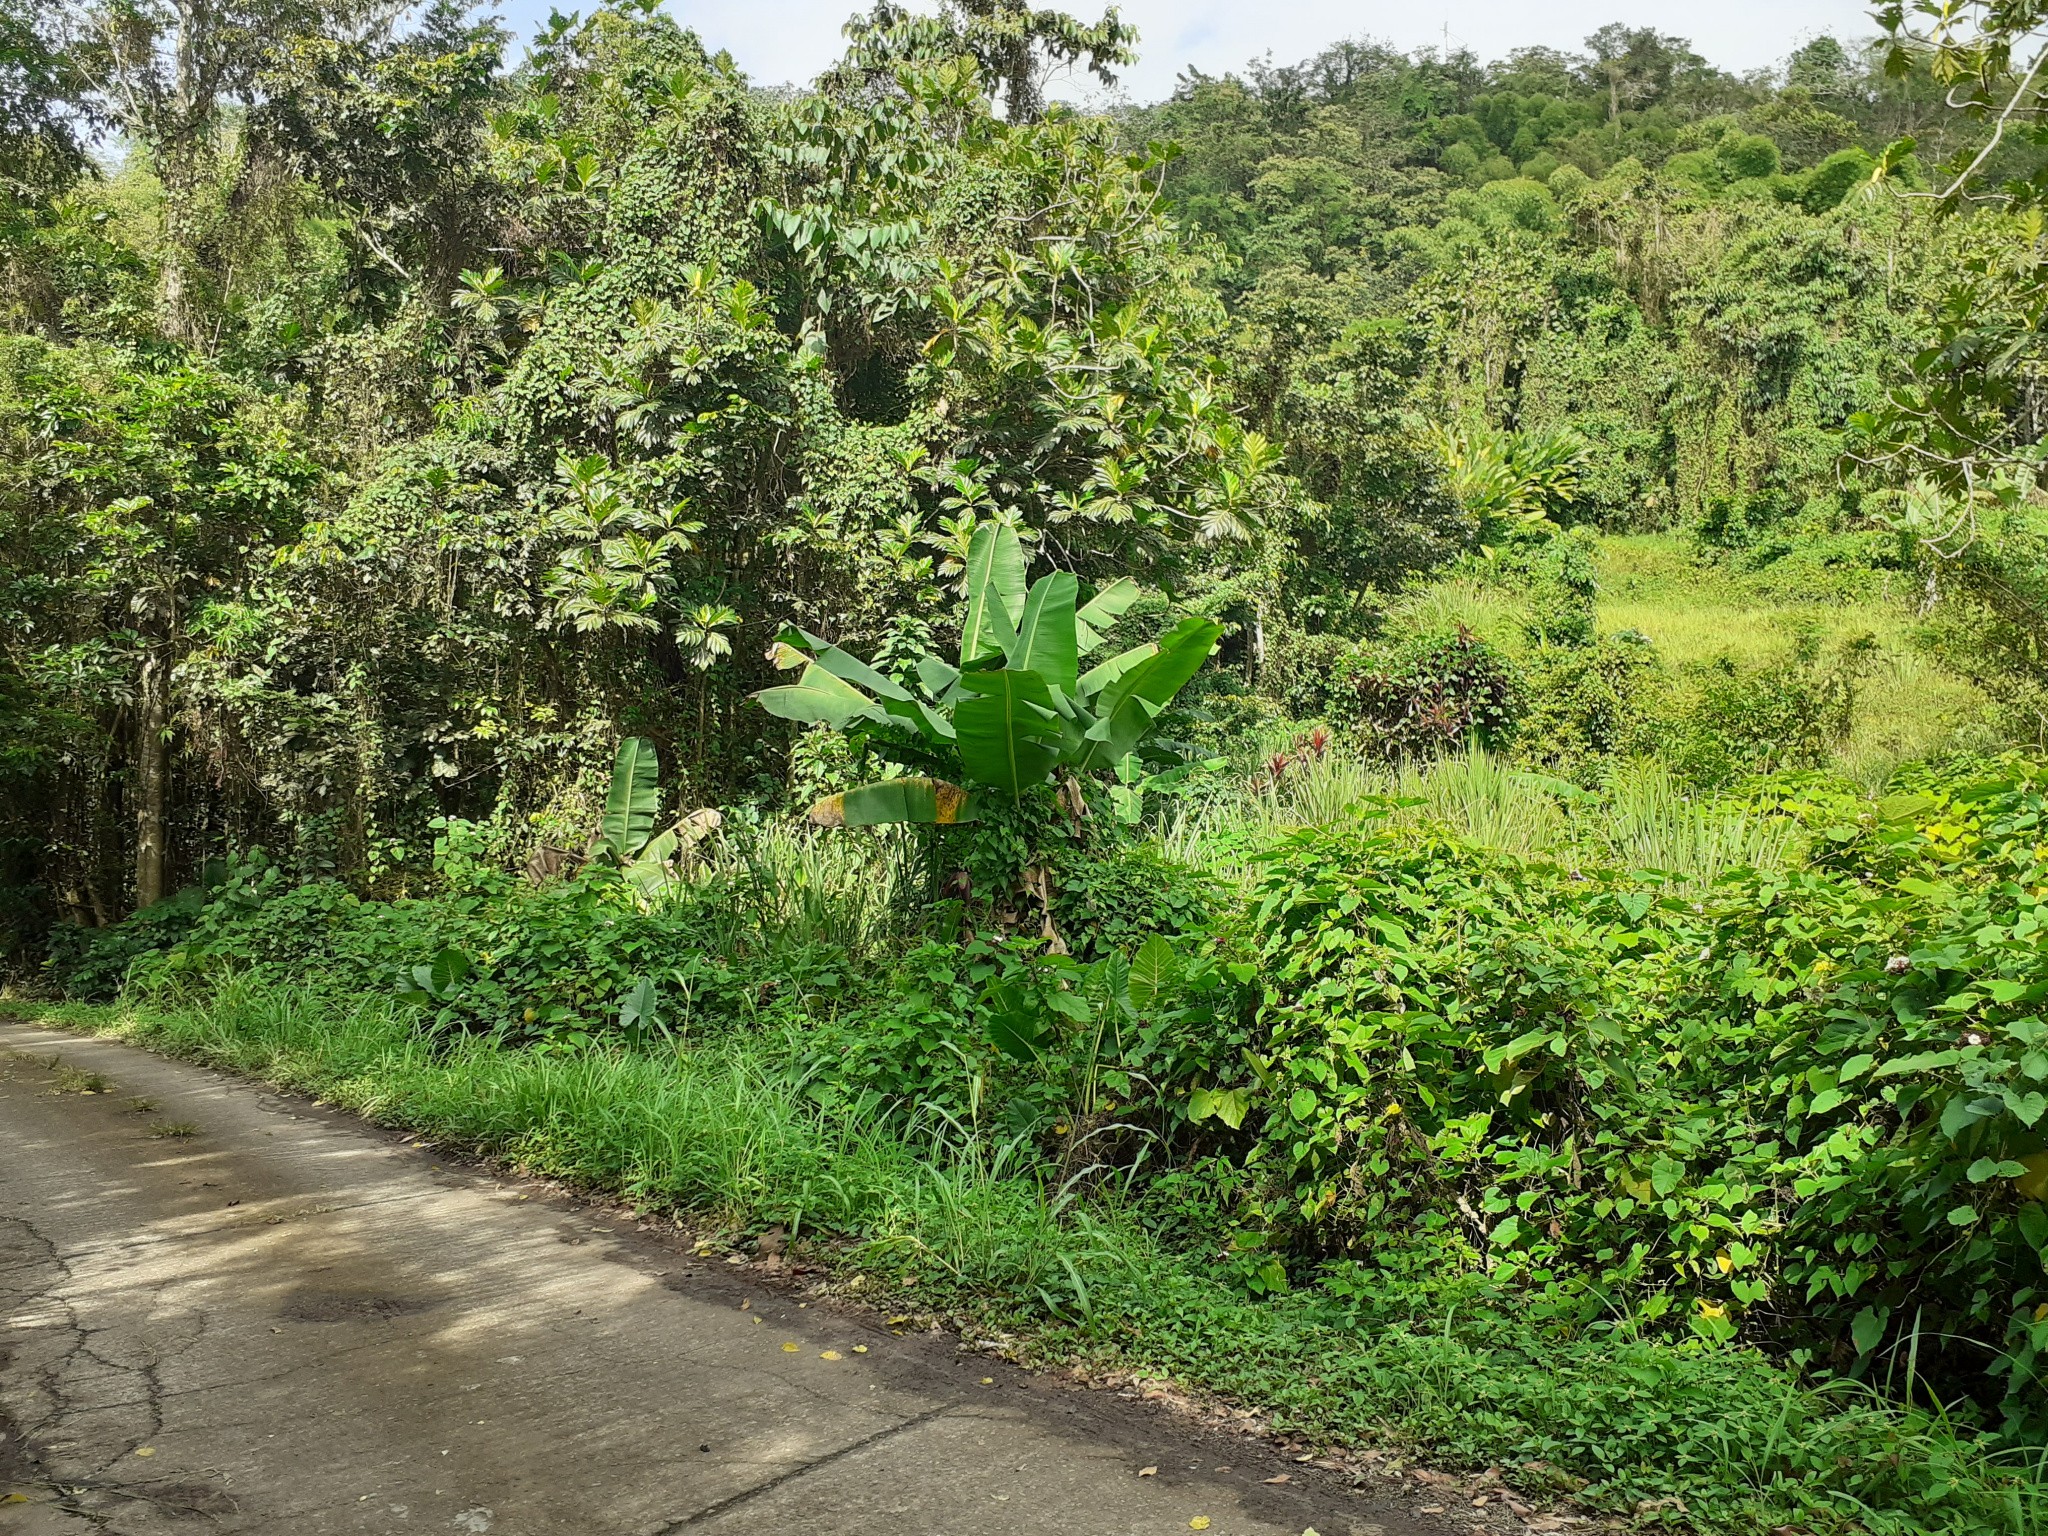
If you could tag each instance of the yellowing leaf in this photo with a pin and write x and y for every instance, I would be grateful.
(1711, 1309)
(2033, 1184)
(860, 1349)
(1392, 1109)
(830, 1354)
(1199, 1523)
(789, 1349)
(1725, 1264)
(145, 1450)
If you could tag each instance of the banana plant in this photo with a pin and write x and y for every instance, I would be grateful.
(1016, 711)
(626, 838)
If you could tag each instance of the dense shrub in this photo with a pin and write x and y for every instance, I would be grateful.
(1434, 693)
(1809, 1109)
(1730, 719)
(1587, 704)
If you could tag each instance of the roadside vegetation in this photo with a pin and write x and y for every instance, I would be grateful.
(1372, 739)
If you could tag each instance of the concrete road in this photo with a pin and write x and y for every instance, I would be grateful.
(291, 1322)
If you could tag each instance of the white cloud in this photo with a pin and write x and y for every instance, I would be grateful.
(789, 41)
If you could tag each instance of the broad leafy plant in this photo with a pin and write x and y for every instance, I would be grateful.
(1014, 714)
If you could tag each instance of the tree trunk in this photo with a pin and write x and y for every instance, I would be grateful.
(152, 777)
(177, 305)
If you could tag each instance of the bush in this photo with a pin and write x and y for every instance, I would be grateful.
(92, 964)
(1832, 180)
(1586, 705)
(1435, 693)
(1811, 1109)
(1732, 720)
(1562, 589)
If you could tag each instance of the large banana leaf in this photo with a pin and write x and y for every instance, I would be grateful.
(820, 698)
(937, 676)
(1006, 729)
(649, 872)
(1101, 611)
(630, 803)
(1045, 641)
(846, 666)
(1126, 709)
(925, 802)
(995, 590)
(1102, 674)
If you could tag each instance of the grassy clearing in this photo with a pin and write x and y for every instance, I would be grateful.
(726, 1135)
(1907, 707)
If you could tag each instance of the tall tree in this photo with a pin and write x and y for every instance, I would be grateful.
(165, 73)
(1017, 48)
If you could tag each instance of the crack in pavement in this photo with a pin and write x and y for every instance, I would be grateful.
(746, 1495)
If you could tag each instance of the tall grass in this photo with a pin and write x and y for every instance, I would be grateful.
(1649, 821)
(781, 889)
(1643, 819)
(726, 1135)
(1489, 804)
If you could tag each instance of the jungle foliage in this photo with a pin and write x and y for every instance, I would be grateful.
(1372, 735)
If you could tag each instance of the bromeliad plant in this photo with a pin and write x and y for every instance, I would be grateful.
(1015, 714)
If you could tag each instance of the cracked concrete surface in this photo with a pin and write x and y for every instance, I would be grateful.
(290, 1322)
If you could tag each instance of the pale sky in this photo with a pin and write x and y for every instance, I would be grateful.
(789, 41)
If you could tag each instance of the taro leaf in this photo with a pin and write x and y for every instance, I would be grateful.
(995, 589)
(1152, 971)
(630, 803)
(1014, 1025)
(918, 801)
(639, 1008)
(440, 978)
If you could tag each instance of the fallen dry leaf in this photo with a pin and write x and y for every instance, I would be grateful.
(1148, 1471)
(145, 1450)
(1282, 1478)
